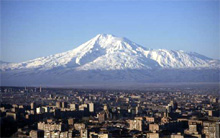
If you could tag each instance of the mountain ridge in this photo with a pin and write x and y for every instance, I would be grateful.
(108, 52)
(110, 60)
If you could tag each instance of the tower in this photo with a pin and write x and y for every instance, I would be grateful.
(91, 107)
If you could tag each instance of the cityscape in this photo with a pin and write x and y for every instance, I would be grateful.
(33, 112)
(110, 69)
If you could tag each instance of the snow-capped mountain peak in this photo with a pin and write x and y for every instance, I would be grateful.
(109, 41)
(108, 52)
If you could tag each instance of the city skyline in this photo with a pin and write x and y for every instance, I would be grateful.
(160, 112)
(110, 69)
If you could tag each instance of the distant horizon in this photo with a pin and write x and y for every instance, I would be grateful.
(32, 29)
(143, 86)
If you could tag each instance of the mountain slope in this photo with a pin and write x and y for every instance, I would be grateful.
(108, 52)
(109, 60)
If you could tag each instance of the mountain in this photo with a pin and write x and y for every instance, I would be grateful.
(107, 58)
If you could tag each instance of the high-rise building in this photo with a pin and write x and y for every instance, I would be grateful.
(91, 107)
(138, 110)
(64, 104)
(58, 104)
(74, 107)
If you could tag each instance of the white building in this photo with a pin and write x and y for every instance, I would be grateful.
(135, 125)
(40, 110)
(91, 107)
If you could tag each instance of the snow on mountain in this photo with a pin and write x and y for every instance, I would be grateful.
(108, 52)
(180, 59)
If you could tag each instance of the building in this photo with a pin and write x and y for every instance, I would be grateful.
(58, 104)
(150, 119)
(74, 107)
(57, 134)
(135, 125)
(40, 110)
(79, 126)
(84, 133)
(178, 135)
(64, 104)
(105, 108)
(46, 109)
(173, 104)
(138, 110)
(193, 131)
(33, 106)
(51, 126)
(101, 117)
(99, 135)
(104, 115)
(154, 127)
(104, 136)
(71, 121)
(153, 135)
(82, 107)
(91, 107)
(211, 129)
(36, 134)
(12, 115)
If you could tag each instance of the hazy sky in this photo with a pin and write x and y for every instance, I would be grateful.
(40, 28)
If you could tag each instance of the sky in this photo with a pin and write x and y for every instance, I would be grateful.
(32, 29)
